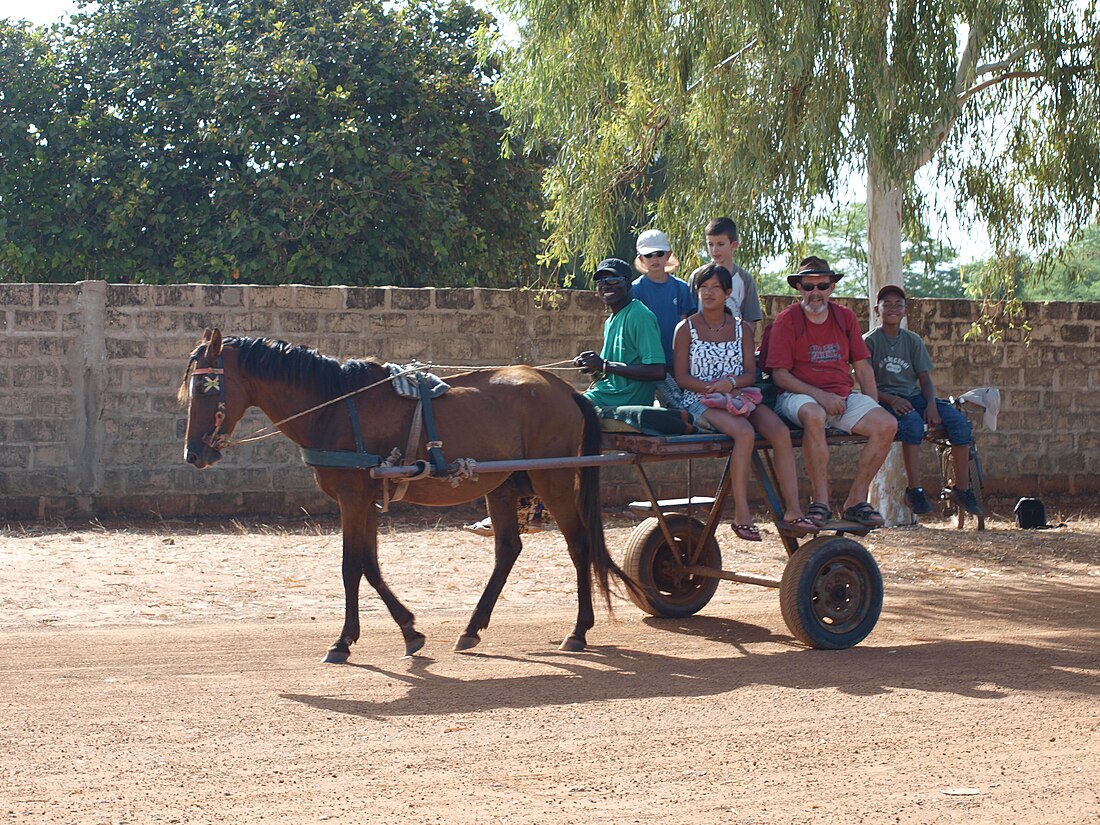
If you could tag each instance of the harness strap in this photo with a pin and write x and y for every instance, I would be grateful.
(354, 416)
(343, 459)
(435, 451)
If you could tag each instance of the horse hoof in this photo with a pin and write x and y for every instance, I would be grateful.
(572, 645)
(336, 657)
(466, 643)
(413, 643)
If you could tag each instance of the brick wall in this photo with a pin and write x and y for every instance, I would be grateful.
(89, 372)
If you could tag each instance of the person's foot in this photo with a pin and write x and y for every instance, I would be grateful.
(819, 513)
(863, 513)
(802, 525)
(918, 501)
(480, 528)
(748, 532)
(967, 500)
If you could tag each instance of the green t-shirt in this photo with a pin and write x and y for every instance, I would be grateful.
(631, 336)
(896, 362)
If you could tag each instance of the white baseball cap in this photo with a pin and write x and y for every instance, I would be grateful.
(653, 240)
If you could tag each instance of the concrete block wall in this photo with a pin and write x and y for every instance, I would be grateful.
(89, 423)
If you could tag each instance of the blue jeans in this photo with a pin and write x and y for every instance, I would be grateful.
(911, 425)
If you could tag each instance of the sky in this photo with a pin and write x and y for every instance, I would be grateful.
(43, 12)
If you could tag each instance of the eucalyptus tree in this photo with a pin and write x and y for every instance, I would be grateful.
(762, 110)
(318, 141)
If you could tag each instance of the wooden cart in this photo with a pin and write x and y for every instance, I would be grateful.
(830, 593)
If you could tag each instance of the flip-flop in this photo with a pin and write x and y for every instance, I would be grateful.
(802, 525)
(819, 513)
(748, 532)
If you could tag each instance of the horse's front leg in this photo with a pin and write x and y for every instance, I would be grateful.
(502, 510)
(359, 526)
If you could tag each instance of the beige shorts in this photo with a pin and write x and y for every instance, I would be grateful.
(857, 405)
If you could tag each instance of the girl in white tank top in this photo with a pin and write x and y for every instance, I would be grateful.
(713, 353)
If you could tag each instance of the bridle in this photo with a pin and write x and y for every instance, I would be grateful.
(205, 380)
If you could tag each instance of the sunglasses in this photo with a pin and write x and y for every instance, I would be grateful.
(657, 254)
(611, 280)
(812, 287)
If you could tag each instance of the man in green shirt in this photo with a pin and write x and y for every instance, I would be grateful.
(632, 359)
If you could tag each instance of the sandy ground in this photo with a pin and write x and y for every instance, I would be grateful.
(171, 673)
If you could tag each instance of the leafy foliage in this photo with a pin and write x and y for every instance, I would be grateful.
(762, 110)
(319, 141)
(931, 269)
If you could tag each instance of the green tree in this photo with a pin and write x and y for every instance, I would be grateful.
(760, 110)
(319, 141)
(1075, 276)
(930, 268)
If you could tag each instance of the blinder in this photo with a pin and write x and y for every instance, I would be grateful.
(207, 381)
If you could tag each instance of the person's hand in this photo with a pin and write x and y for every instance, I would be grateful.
(589, 361)
(901, 406)
(932, 416)
(725, 385)
(832, 403)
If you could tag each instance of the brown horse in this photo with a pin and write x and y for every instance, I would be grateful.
(491, 414)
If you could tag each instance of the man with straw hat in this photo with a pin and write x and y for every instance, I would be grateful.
(814, 347)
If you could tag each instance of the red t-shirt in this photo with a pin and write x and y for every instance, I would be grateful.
(823, 354)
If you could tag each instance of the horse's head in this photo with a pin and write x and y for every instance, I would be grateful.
(215, 397)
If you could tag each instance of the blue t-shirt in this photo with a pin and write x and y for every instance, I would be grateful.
(670, 301)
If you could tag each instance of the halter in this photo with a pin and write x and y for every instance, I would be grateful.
(206, 380)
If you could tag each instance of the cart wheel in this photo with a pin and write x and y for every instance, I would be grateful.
(831, 593)
(666, 588)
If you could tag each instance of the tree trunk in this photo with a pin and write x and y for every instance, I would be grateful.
(887, 492)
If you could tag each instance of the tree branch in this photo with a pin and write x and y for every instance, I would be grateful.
(973, 90)
(964, 75)
(1001, 65)
(752, 44)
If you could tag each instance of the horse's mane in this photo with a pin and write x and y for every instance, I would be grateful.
(303, 366)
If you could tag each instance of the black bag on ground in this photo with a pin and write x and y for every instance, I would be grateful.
(1032, 515)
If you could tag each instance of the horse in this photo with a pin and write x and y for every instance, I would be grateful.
(516, 412)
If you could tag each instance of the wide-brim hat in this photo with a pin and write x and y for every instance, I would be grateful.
(812, 266)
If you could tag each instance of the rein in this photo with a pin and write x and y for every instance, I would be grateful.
(221, 442)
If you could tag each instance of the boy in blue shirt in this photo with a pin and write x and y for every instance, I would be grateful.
(666, 296)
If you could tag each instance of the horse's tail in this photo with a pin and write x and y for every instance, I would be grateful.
(599, 560)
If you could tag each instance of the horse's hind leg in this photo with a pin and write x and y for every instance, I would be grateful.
(359, 523)
(556, 491)
(502, 510)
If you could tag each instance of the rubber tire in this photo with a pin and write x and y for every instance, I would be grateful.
(649, 562)
(831, 593)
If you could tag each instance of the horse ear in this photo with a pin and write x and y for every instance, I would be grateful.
(214, 345)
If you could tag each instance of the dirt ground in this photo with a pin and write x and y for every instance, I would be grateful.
(171, 673)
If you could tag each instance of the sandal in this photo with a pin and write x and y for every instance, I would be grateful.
(863, 513)
(802, 526)
(819, 513)
(748, 532)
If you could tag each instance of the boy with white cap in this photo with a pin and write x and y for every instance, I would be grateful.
(666, 296)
